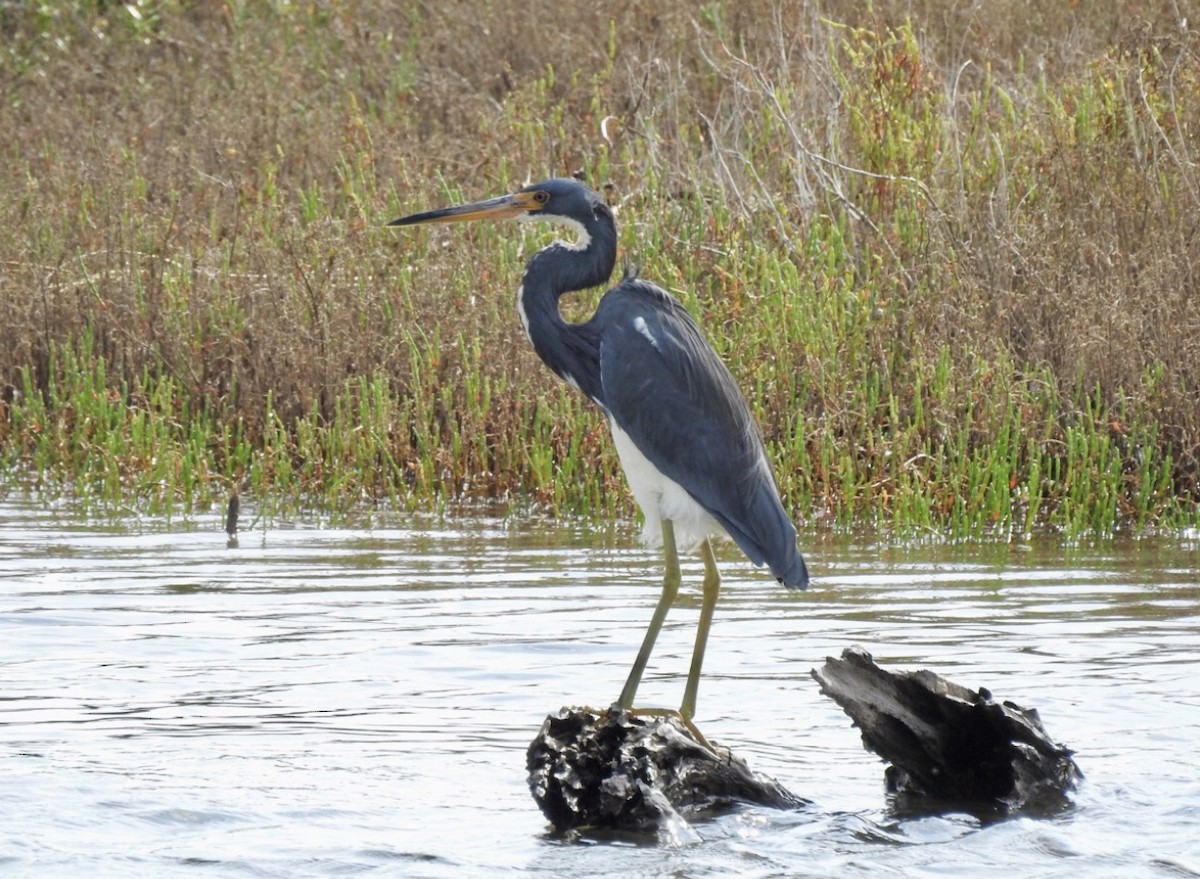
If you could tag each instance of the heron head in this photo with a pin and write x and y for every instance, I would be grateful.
(560, 200)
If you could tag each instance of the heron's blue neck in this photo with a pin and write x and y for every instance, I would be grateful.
(570, 350)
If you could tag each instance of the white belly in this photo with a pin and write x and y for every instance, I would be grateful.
(662, 498)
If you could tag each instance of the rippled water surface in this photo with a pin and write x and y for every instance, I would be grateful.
(320, 702)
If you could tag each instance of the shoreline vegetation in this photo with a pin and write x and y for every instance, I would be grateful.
(952, 256)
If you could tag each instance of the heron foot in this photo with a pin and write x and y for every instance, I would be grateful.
(683, 719)
(673, 714)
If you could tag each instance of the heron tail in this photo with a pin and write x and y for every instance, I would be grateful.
(777, 551)
(795, 574)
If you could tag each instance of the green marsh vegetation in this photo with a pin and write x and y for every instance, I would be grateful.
(951, 254)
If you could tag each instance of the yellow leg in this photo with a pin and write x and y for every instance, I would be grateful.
(670, 589)
(712, 588)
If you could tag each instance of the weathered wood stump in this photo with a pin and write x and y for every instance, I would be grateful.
(947, 745)
(616, 770)
(948, 748)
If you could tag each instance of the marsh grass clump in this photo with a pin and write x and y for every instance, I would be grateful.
(953, 262)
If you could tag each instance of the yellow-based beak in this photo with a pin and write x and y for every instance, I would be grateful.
(504, 207)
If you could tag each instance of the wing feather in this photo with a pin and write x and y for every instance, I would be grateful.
(668, 390)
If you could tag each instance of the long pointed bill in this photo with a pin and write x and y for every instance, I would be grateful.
(493, 209)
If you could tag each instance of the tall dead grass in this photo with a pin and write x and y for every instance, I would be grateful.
(198, 188)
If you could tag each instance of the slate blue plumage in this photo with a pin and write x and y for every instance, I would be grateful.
(675, 399)
(685, 435)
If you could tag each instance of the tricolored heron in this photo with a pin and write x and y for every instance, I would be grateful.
(684, 434)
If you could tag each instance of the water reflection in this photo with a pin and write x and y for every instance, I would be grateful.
(322, 700)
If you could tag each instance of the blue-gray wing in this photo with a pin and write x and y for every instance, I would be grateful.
(667, 389)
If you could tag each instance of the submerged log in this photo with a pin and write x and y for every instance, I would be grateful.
(617, 770)
(947, 744)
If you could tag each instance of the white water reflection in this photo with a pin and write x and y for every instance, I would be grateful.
(322, 701)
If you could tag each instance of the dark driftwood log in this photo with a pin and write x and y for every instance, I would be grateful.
(613, 770)
(947, 744)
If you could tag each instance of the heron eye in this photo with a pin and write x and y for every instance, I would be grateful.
(541, 196)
